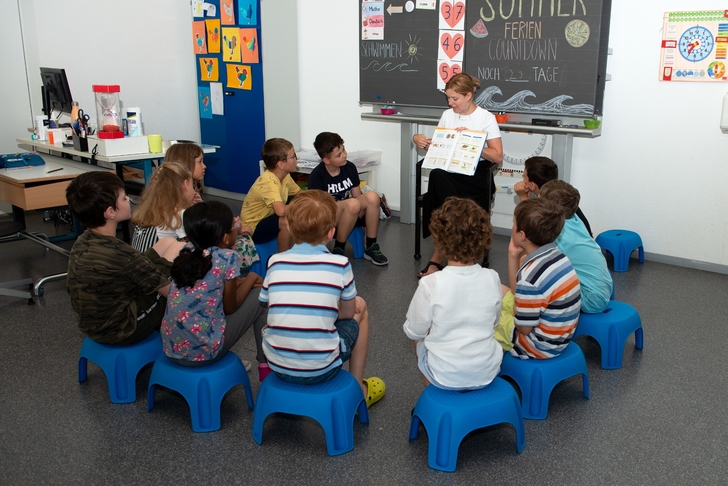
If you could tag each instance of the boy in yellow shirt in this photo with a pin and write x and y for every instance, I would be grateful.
(264, 208)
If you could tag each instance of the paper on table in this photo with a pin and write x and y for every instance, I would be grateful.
(216, 97)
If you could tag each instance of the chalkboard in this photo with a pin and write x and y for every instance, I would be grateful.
(531, 56)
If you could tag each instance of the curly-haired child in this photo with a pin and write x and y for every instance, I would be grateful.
(454, 313)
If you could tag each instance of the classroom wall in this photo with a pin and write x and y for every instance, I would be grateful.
(13, 97)
(659, 167)
(145, 47)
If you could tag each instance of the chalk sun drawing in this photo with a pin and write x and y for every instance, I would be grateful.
(518, 103)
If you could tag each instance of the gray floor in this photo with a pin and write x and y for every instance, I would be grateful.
(658, 420)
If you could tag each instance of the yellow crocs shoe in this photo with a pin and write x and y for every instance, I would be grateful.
(376, 389)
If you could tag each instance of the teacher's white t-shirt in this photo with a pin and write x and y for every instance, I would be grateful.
(480, 119)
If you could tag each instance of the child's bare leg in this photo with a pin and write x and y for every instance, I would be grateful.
(285, 240)
(347, 219)
(359, 353)
(370, 210)
(168, 248)
(424, 380)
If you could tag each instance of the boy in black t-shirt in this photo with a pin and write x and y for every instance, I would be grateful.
(339, 177)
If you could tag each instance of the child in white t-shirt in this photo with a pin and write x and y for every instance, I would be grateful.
(454, 313)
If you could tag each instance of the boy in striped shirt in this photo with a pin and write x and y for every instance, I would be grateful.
(316, 322)
(545, 285)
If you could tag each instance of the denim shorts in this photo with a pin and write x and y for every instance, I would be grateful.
(348, 330)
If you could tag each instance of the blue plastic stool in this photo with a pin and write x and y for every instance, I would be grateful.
(356, 237)
(621, 244)
(332, 404)
(265, 251)
(121, 364)
(537, 377)
(448, 416)
(202, 386)
(611, 328)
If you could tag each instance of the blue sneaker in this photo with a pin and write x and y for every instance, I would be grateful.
(374, 255)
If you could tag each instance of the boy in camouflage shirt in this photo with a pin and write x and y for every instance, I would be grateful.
(114, 289)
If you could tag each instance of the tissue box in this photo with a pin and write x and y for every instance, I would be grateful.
(120, 146)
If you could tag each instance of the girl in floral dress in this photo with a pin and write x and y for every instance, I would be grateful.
(209, 307)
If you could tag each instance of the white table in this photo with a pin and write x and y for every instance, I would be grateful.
(114, 162)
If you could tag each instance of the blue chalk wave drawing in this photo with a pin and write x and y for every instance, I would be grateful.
(518, 103)
(387, 66)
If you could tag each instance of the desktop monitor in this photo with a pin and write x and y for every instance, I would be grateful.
(56, 93)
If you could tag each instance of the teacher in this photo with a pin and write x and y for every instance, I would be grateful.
(463, 114)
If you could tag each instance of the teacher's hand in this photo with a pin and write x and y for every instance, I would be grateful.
(421, 141)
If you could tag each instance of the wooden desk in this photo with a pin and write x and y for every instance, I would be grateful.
(36, 188)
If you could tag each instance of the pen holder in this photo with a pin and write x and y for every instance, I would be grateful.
(80, 143)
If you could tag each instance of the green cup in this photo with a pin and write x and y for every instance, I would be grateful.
(155, 144)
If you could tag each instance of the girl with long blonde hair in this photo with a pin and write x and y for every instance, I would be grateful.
(170, 191)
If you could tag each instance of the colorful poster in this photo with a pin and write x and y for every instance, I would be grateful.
(247, 12)
(239, 76)
(452, 14)
(249, 45)
(213, 35)
(231, 44)
(205, 103)
(694, 46)
(209, 69)
(198, 37)
(227, 12)
(372, 20)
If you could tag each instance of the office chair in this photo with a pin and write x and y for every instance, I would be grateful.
(9, 231)
(14, 231)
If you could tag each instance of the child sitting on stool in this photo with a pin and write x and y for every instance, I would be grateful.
(339, 177)
(583, 252)
(453, 315)
(545, 285)
(315, 320)
(118, 292)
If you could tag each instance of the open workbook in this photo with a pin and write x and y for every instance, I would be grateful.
(454, 151)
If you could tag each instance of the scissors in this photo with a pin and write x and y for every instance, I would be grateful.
(83, 118)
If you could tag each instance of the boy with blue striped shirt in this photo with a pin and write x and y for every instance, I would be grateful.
(545, 285)
(316, 322)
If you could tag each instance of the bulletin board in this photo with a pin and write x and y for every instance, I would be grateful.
(694, 46)
(530, 57)
(226, 43)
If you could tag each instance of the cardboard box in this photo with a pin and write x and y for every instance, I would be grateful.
(119, 146)
(58, 135)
